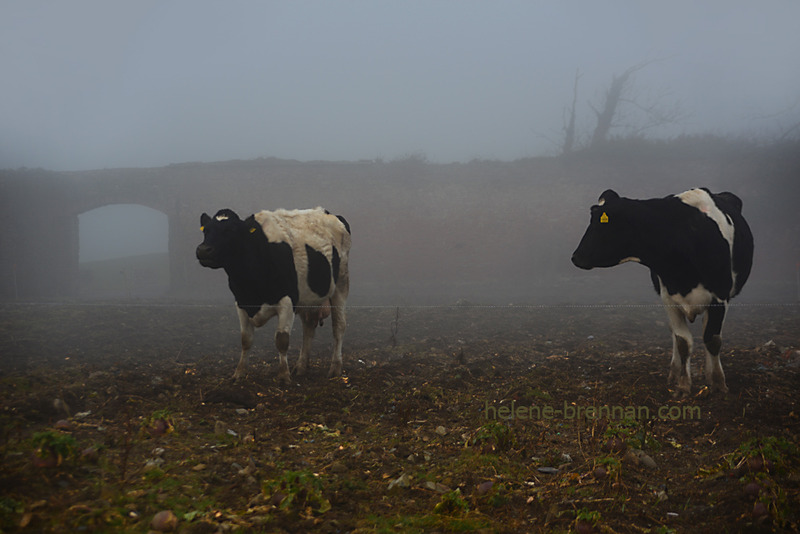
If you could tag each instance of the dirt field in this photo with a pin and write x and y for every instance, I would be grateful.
(113, 413)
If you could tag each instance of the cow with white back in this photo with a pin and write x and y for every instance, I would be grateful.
(699, 250)
(280, 263)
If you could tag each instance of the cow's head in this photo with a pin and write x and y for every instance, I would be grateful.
(224, 235)
(610, 236)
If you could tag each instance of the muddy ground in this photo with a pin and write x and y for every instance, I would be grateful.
(112, 413)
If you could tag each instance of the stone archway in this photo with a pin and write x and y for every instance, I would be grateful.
(39, 251)
(123, 252)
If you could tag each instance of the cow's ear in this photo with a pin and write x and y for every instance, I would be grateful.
(608, 194)
(251, 224)
(204, 220)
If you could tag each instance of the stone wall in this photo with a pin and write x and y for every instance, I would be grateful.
(474, 228)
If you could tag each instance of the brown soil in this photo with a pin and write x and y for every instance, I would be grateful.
(415, 437)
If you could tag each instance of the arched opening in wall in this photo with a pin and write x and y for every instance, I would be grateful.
(123, 252)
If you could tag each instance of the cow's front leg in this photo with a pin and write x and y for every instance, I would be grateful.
(679, 369)
(712, 329)
(282, 334)
(246, 328)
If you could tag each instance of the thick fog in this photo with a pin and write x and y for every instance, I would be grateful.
(403, 89)
(95, 84)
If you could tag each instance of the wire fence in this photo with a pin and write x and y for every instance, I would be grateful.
(456, 306)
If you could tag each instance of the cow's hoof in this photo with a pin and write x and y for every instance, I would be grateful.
(335, 371)
(718, 382)
(683, 389)
(285, 380)
(300, 371)
(284, 377)
(722, 389)
(673, 376)
(680, 394)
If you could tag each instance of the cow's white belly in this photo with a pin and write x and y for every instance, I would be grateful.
(308, 298)
(692, 305)
(265, 313)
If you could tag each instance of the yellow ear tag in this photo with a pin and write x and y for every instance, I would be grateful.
(604, 218)
(202, 228)
(252, 230)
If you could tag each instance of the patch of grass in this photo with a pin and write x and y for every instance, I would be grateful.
(537, 393)
(775, 449)
(451, 504)
(157, 489)
(297, 491)
(585, 515)
(159, 423)
(494, 436)
(757, 463)
(770, 454)
(633, 433)
(50, 448)
(169, 484)
(154, 475)
(9, 510)
(498, 496)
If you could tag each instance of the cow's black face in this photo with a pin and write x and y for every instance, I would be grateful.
(606, 241)
(223, 237)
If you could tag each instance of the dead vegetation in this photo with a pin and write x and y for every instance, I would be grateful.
(124, 418)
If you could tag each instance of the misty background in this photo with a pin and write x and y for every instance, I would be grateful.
(458, 103)
(94, 84)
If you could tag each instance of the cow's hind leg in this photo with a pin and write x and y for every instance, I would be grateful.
(310, 320)
(282, 334)
(679, 369)
(339, 322)
(712, 338)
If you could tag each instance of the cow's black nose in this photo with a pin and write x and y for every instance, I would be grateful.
(207, 256)
(576, 261)
(203, 251)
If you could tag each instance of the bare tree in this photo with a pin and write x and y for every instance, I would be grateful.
(621, 97)
(569, 127)
(624, 107)
(789, 132)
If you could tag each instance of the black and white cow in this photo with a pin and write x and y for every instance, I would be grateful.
(699, 250)
(278, 263)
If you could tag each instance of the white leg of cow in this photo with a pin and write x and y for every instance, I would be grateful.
(339, 324)
(712, 329)
(246, 328)
(679, 369)
(310, 321)
(282, 334)
(714, 373)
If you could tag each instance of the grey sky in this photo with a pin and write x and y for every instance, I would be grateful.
(92, 84)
